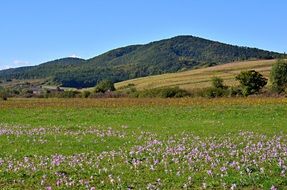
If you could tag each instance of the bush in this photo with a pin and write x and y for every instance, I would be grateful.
(86, 94)
(251, 82)
(104, 86)
(3, 93)
(278, 76)
(169, 92)
(27, 93)
(108, 95)
(15, 92)
(68, 94)
(217, 89)
(235, 91)
(214, 92)
(217, 83)
(172, 93)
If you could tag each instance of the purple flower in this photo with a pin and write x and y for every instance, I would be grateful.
(209, 172)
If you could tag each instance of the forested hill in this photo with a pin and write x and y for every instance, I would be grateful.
(170, 55)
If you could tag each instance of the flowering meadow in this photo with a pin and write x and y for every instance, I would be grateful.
(143, 144)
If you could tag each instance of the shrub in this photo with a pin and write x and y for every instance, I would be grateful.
(3, 93)
(168, 92)
(86, 94)
(172, 93)
(278, 76)
(214, 92)
(217, 89)
(217, 82)
(68, 94)
(251, 82)
(104, 86)
(235, 91)
(15, 92)
(108, 95)
(26, 93)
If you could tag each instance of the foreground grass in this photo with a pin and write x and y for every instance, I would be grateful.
(143, 143)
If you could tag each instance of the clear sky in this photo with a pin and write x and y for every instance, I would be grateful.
(35, 31)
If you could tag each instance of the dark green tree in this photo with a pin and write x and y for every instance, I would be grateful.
(251, 82)
(278, 76)
(104, 86)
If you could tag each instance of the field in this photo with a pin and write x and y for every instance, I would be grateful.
(200, 78)
(238, 143)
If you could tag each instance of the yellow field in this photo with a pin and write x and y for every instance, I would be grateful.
(200, 78)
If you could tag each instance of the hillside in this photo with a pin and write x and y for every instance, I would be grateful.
(165, 56)
(199, 78)
(44, 70)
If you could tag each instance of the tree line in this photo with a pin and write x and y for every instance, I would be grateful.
(250, 82)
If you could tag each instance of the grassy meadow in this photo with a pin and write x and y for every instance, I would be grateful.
(200, 78)
(237, 143)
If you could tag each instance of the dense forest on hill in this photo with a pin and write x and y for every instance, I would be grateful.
(170, 55)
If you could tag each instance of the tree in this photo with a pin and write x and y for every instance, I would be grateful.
(251, 82)
(278, 76)
(104, 86)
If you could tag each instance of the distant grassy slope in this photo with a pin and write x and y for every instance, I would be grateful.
(199, 78)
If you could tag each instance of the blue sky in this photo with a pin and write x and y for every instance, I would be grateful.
(35, 31)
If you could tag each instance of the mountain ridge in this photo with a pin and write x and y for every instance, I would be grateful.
(164, 56)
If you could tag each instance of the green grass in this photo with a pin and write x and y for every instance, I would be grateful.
(177, 119)
(68, 133)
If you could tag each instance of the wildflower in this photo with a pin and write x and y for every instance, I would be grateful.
(233, 186)
(223, 169)
(150, 186)
(204, 186)
(184, 186)
(59, 182)
(209, 172)
(261, 170)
